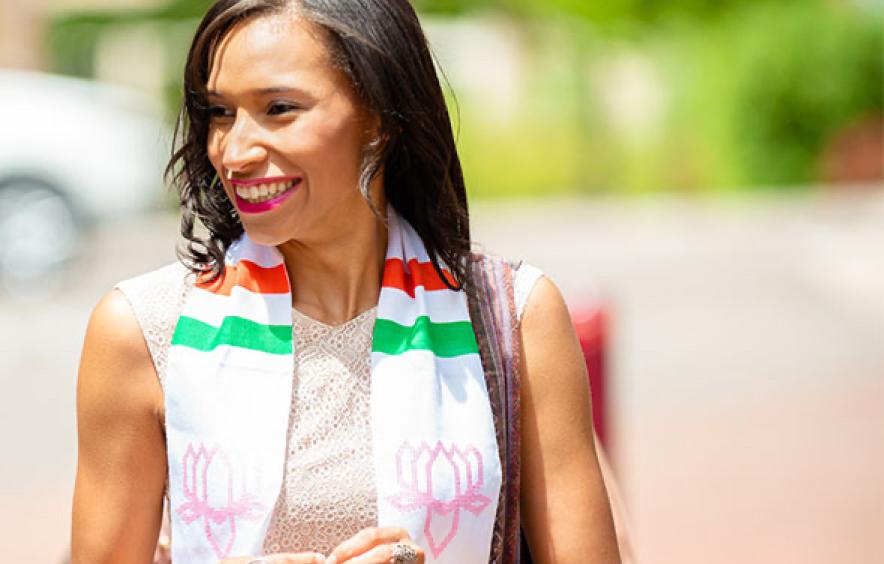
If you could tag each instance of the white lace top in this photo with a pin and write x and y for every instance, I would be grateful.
(328, 493)
(329, 439)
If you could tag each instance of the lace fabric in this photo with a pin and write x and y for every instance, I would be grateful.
(328, 492)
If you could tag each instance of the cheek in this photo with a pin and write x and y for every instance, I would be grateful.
(333, 136)
(336, 149)
(214, 152)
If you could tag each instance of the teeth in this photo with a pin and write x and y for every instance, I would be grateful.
(263, 192)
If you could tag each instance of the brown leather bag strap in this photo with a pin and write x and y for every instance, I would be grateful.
(496, 324)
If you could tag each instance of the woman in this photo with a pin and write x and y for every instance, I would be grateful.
(323, 391)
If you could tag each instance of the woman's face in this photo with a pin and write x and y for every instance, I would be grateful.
(286, 132)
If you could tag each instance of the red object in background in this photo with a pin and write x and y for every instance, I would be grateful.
(590, 324)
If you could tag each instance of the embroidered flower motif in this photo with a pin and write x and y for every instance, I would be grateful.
(442, 481)
(208, 488)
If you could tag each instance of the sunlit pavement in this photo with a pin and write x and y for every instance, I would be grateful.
(747, 369)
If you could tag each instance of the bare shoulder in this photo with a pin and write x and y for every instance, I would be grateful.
(545, 309)
(113, 319)
(557, 410)
(555, 384)
(550, 346)
(115, 358)
(121, 464)
(565, 507)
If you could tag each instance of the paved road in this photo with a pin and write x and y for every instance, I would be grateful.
(747, 363)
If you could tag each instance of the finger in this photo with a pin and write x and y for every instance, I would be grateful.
(383, 554)
(299, 558)
(279, 558)
(365, 540)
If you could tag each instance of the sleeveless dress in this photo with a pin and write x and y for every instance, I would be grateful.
(328, 493)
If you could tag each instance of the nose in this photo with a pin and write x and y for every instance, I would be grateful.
(242, 145)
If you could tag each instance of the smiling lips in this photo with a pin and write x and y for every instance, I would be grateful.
(263, 194)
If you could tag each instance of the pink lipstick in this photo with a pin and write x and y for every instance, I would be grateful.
(246, 206)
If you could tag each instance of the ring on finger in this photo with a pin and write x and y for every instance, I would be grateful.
(404, 554)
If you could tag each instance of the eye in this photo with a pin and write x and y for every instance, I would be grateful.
(278, 108)
(216, 112)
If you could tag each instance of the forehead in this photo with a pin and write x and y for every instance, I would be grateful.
(268, 48)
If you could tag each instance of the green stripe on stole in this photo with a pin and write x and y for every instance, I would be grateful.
(234, 331)
(445, 340)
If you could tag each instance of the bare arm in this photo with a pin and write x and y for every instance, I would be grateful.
(565, 507)
(121, 466)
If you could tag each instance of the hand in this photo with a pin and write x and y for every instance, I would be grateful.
(279, 558)
(373, 545)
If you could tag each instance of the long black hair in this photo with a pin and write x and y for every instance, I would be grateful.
(380, 46)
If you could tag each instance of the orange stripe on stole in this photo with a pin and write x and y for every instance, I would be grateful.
(251, 276)
(418, 274)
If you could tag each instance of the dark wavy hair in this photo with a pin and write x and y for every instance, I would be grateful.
(380, 46)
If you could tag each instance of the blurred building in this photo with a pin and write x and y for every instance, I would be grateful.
(22, 28)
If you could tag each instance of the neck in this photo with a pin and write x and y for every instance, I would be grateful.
(337, 278)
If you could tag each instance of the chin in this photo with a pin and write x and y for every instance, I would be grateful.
(264, 236)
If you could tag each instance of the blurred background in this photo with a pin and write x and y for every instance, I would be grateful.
(703, 179)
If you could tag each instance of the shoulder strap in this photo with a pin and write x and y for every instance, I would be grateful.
(495, 321)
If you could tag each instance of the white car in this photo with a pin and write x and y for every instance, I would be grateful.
(72, 153)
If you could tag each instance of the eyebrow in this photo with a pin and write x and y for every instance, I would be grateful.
(261, 91)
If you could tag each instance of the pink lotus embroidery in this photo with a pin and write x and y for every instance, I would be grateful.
(202, 467)
(426, 476)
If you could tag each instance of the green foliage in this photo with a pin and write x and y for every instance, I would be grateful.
(541, 148)
(616, 14)
(754, 88)
(72, 38)
(755, 95)
(754, 91)
(804, 76)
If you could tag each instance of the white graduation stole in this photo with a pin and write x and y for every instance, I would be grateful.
(228, 391)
